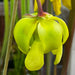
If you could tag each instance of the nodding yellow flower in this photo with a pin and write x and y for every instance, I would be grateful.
(67, 3)
(46, 33)
(56, 6)
(35, 4)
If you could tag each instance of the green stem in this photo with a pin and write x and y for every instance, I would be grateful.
(11, 7)
(6, 33)
(23, 7)
(48, 60)
(28, 6)
(40, 10)
(10, 37)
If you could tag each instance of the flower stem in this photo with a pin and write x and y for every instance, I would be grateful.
(40, 10)
(23, 7)
(10, 37)
(28, 6)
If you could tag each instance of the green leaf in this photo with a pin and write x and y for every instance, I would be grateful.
(50, 34)
(35, 57)
(23, 32)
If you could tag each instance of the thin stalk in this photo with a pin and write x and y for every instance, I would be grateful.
(11, 7)
(6, 32)
(48, 60)
(68, 44)
(55, 70)
(23, 7)
(10, 37)
(28, 6)
(40, 10)
(48, 57)
(19, 9)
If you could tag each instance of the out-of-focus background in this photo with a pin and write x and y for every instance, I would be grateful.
(16, 65)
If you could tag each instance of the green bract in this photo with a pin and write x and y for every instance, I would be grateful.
(36, 36)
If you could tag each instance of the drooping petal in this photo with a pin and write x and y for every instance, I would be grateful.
(23, 32)
(35, 58)
(35, 4)
(64, 28)
(67, 3)
(50, 33)
(58, 55)
(56, 6)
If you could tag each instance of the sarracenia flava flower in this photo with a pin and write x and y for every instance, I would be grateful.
(36, 36)
(67, 3)
(56, 5)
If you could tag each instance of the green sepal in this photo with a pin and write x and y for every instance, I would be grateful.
(23, 32)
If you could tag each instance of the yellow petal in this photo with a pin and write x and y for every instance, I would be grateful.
(58, 55)
(35, 4)
(56, 6)
(67, 3)
(51, 0)
(65, 30)
(35, 58)
(23, 32)
(50, 34)
(54, 52)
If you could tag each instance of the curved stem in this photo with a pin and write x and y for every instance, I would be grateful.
(40, 10)
(10, 37)
(6, 12)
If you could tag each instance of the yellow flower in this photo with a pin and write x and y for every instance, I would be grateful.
(56, 5)
(35, 4)
(67, 3)
(47, 32)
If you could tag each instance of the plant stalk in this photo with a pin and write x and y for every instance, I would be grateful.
(10, 37)
(48, 60)
(48, 56)
(40, 10)
(6, 32)
(68, 44)
(23, 7)
(28, 6)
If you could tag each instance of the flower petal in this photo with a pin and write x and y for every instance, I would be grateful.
(50, 34)
(56, 6)
(64, 28)
(35, 4)
(58, 55)
(67, 3)
(23, 32)
(35, 58)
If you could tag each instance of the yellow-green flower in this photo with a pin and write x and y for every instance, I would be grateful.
(35, 4)
(36, 36)
(56, 5)
(67, 3)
